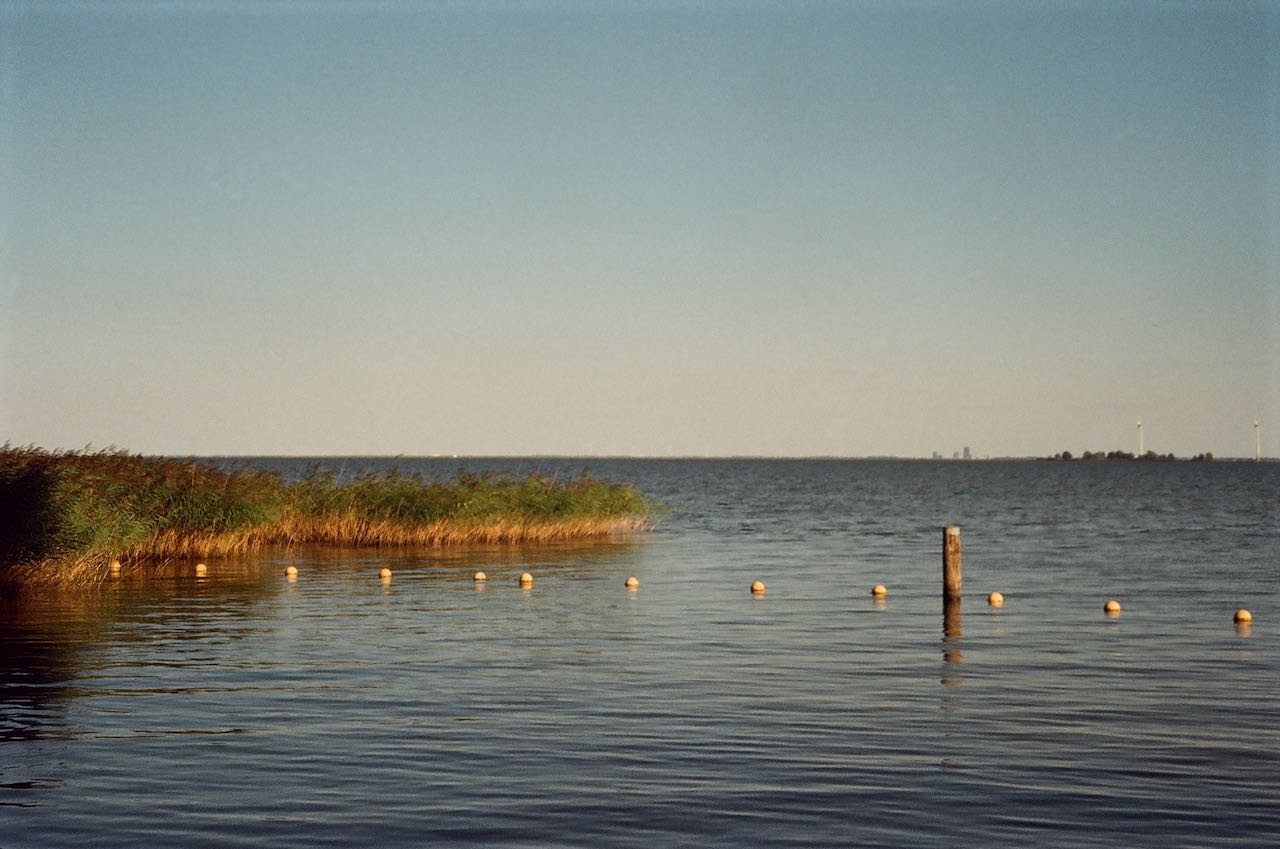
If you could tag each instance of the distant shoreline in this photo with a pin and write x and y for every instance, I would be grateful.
(678, 457)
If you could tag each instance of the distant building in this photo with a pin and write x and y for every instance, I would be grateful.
(967, 455)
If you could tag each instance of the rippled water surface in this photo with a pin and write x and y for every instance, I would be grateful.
(244, 709)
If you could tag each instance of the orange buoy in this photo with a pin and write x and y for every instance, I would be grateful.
(631, 583)
(1112, 607)
(384, 573)
(479, 577)
(879, 590)
(526, 580)
(1243, 616)
(757, 587)
(291, 571)
(995, 599)
(201, 570)
(115, 567)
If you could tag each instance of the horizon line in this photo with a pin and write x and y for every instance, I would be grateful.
(554, 456)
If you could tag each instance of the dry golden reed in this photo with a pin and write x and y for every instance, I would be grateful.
(73, 513)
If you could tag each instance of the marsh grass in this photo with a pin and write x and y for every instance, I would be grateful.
(67, 515)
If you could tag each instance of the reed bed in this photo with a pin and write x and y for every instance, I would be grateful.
(67, 515)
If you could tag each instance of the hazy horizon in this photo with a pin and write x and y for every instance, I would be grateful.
(659, 230)
(957, 458)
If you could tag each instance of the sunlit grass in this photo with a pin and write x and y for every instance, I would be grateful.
(67, 515)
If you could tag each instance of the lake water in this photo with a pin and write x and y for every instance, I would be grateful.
(246, 710)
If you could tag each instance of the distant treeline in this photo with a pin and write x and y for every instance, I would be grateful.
(1149, 457)
(65, 516)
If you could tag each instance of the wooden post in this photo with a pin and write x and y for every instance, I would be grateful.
(951, 572)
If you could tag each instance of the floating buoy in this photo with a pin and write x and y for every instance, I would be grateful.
(384, 573)
(1243, 616)
(995, 599)
(1112, 607)
(201, 570)
(115, 567)
(757, 587)
(479, 577)
(879, 590)
(291, 571)
(631, 583)
(526, 580)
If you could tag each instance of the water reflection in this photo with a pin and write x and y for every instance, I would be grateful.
(952, 631)
(37, 664)
(572, 556)
(51, 642)
(952, 620)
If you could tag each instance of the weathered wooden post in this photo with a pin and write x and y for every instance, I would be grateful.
(951, 616)
(951, 572)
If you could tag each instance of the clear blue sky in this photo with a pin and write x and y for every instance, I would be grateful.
(587, 228)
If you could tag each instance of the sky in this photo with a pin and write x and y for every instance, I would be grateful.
(791, 229)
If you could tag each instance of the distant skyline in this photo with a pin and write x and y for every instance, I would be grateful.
(656, 229)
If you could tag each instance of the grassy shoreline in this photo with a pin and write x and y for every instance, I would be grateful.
(67, 515)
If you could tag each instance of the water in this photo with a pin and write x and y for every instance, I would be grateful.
(242, 709)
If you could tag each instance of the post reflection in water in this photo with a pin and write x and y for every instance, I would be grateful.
(952, 631)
